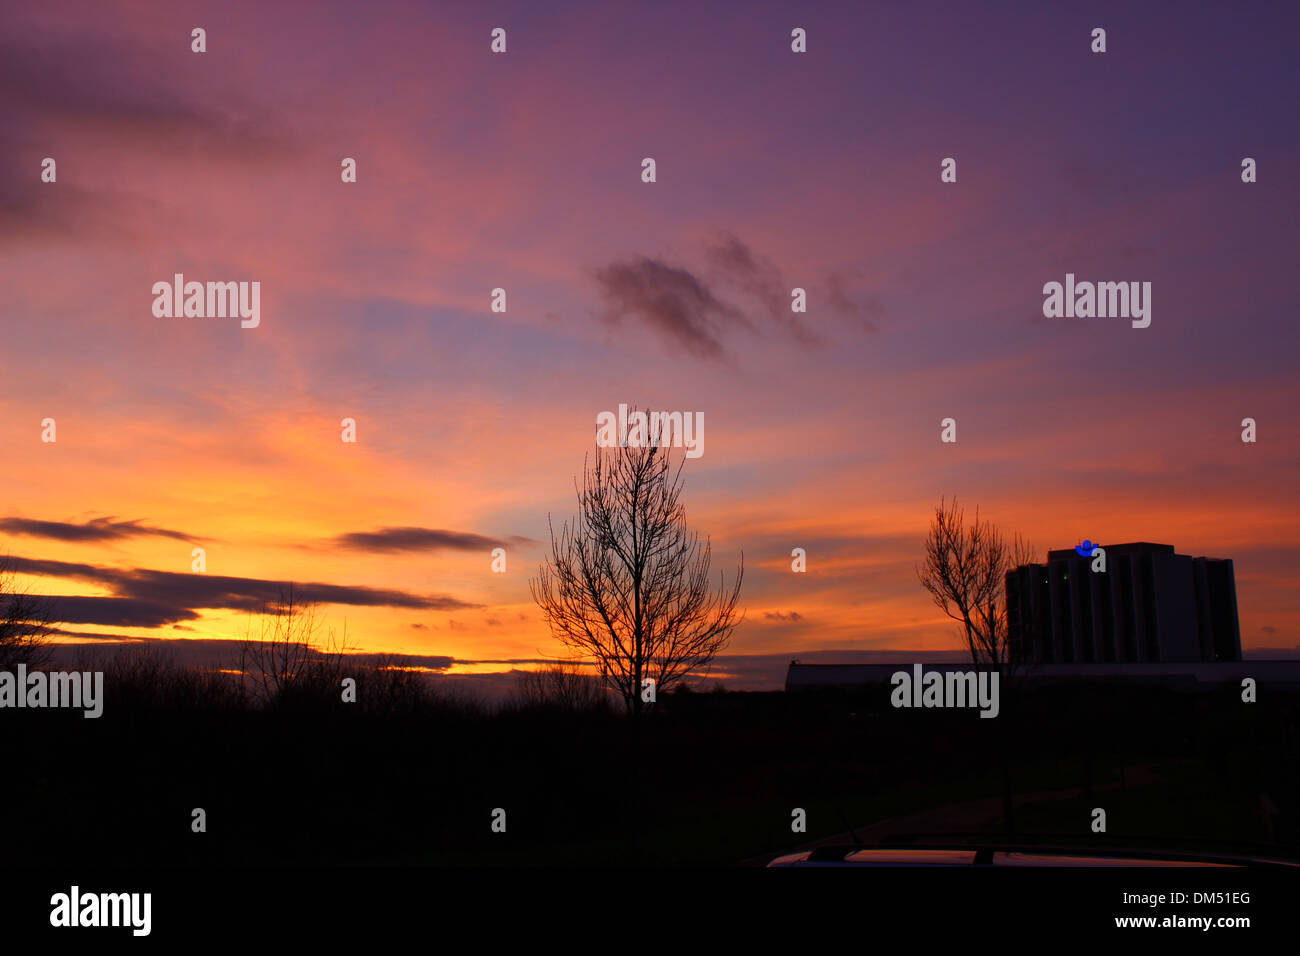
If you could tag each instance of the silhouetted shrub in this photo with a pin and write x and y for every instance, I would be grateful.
(560, 686)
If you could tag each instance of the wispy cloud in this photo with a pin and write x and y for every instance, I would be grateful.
(102, 104)
(862, 313)
(790, 616)
(757, 275)
(673, 301)
(759, 278)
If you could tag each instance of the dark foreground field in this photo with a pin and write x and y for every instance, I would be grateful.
(707, 779)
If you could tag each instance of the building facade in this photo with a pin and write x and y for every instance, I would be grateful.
(1150, 605)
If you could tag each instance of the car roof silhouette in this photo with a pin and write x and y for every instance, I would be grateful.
(938, 852)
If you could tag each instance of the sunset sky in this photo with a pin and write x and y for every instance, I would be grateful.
(523, 171)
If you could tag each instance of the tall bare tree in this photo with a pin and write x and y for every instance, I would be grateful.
(26, 621)
(965, 571)
(627, 583)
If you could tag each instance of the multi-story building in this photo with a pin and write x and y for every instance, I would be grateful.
(1149, 605)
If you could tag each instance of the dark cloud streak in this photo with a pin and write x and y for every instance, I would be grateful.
(165, 597)
(96, 529)
(387, 540)
(114, 611)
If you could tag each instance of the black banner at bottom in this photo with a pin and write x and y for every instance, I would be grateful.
(583, 907)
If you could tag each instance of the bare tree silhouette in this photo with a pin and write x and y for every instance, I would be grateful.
(627, 581)
(965, 571)
(26, 621)
(286, 663)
